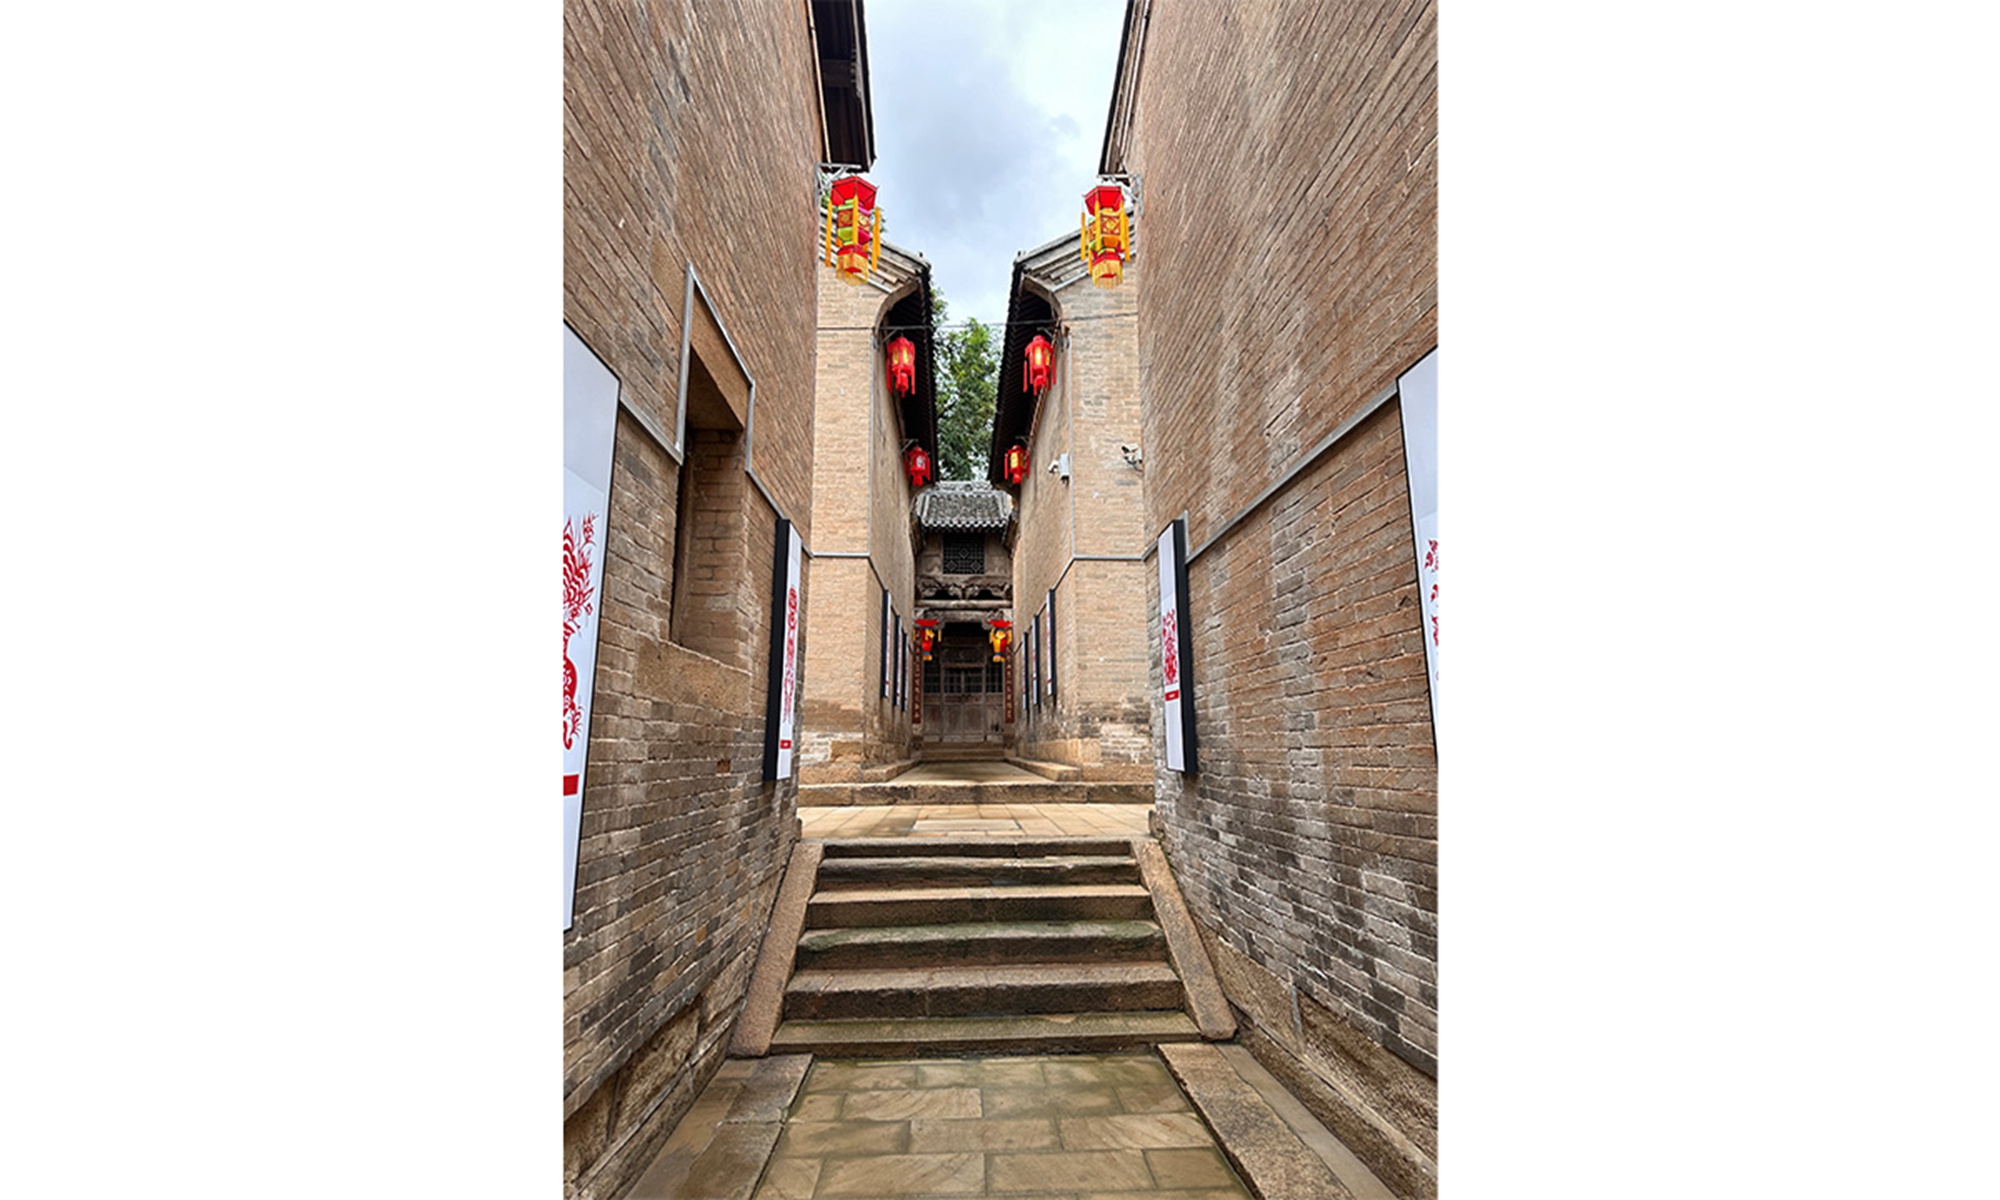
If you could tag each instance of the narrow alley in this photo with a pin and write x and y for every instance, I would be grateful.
(1000, 751)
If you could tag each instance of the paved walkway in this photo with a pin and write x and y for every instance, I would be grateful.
(1064, 1127)
(974, 820)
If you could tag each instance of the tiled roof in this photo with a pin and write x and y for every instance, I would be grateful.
(964, 504)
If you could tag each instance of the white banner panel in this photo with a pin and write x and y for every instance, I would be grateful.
(781, 715)
(590, 422)
(1417, 393)
(1176, 689)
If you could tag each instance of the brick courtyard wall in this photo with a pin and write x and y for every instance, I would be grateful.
(1085, 538)
(673, 115)
(861, 506)
(1307, 844)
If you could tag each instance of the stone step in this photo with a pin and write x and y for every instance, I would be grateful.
(965, 871)
(1032, 791)
(983, 847)
(957, 905)
(1037, 1033)
(982, 944)
(934, 752)
(960, 991)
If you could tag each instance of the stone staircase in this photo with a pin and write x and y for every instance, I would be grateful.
(909, 946)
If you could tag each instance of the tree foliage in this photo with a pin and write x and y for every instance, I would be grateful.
(968, 374)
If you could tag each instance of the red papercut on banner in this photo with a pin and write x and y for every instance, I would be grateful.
(577, 594)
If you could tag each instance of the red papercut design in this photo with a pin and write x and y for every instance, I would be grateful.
(1431, 559)
(791, 660)
(1170, 650)
(577, 594)
(1434, 631)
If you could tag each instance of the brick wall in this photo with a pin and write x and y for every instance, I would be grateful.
(673, 115)
(1307, 845)
(1100, 718)
(861, 505)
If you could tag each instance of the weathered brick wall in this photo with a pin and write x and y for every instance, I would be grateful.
(714, 614)
(673, 116)
(1100, 718)
(861, 505)
(1307, 845)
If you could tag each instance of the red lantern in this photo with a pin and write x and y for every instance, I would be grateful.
(1015, 466)
(1107, 234)
(927, 635)
(918, 464)
(853, 228)
(1041, 356)
(1000, 636)
(902, 366)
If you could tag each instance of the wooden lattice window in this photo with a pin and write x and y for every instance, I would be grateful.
(965, 554)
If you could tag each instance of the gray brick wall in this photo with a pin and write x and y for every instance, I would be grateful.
(1307, 845)
(1100, 719)
(675, 118)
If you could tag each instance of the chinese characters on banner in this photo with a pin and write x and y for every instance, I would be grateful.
(1176, 655)
(1417, 392)
(779, 707)
(590, 421)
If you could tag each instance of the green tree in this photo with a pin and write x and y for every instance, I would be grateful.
(968, 374)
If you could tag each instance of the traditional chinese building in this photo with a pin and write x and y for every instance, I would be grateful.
(1282, 161)
(1079, 586)
(965, 585)
(874, 438)
(696, 138)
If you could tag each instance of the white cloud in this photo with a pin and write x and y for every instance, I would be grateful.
(988, 121)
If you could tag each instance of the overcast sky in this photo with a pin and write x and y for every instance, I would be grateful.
(989, 115)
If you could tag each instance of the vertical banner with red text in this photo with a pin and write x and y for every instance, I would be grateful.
(780, 705)
(1417, 394)
(1176, 654)
(590, 423)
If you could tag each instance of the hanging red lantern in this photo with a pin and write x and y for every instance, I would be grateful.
(918, 465)
(1107, 234)
(1015, 466)
(1041, 357)
(927, 635)
(902, 366)
(853, 228)
(1000, 636)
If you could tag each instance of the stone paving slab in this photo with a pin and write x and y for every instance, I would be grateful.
(1015, 1127)
(1262, 1146)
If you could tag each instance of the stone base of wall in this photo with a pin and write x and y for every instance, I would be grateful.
(1055, 760)
(614, 1134)
(1111, 751)
(850, 758)
(854, 771)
